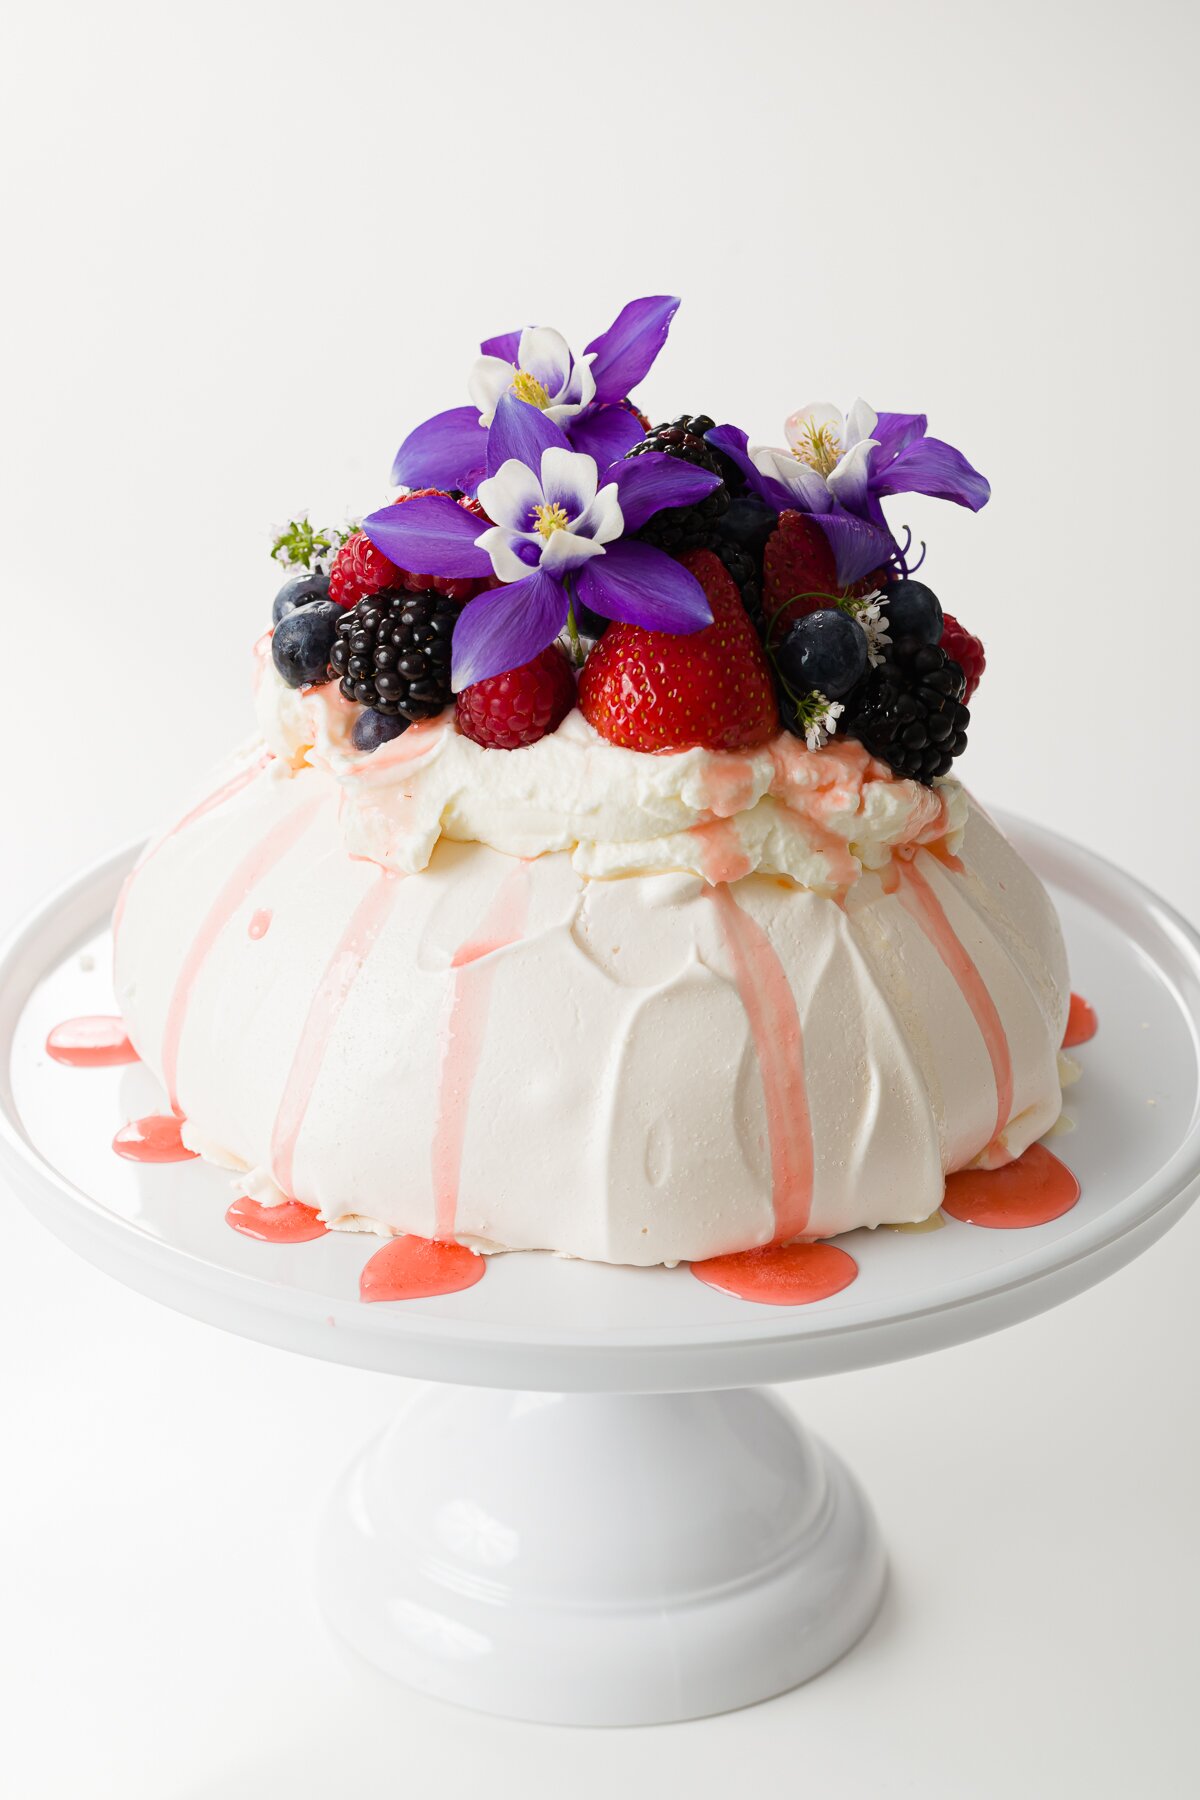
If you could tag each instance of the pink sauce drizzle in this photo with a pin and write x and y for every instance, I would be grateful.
(95, 1041)
(1030, 1191)
(722, 857)
(1082, 1023)
(290, 1223)
(341, 973)
(780, 1274)
(245, 878)
(778, 1042)
(919, 899)
(462, 1040)
(233, 786)
(154, 1139)
(260, 922)
(414, 1268)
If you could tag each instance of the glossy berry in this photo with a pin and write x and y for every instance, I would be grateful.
(660, 690)
(299, 590)
(825, 650)
(966, 650)
(302, 641)
(371, 729)
(392, 652)
(508, 711)
(748, 522)
(909, 711)
(681, 528)
(913, 610)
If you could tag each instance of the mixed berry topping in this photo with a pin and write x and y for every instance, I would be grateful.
(680, 585)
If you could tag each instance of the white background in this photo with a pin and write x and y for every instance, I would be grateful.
(250, 246)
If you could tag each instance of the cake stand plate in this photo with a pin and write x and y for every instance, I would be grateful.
(601, 1521)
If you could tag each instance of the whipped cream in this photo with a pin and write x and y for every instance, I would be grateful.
(818, 818)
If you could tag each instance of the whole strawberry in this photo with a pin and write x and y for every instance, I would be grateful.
(506, 712)
(964, 648)
(359, 569)
(657, 690)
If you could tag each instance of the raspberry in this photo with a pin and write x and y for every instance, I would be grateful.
(519, 707)
(360, 570)
(966, 650)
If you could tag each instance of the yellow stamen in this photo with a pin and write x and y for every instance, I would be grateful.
(818, 446)
(527, 387)
(551, 517)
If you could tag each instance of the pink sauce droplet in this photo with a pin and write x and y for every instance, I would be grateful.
(1030, 1191)
(1082, 1023)
(290, 1223)
(260, 922)
(154, 1139)
(415, 1268)
(780, 1274)
(96, 1041)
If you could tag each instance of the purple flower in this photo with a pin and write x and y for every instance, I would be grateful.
(583, 395)
(840, 468)
(558, 535)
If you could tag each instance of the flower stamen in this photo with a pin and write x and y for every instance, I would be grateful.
(817, 445)
(551, 517)
(527, 387)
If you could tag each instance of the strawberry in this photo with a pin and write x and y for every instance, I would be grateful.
(799, 573)
(506, 711)
(359, 569)
(658, 690)
(966, 650)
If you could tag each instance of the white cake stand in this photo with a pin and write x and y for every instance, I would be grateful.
(599, 1521)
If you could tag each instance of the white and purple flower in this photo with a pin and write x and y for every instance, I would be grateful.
(559, 534)
(839, 468)
(584, 395)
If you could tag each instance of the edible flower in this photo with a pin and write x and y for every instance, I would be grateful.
(559, 537)
(840, 467)
(586, 396)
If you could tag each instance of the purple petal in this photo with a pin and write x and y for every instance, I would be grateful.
(625, 352)
(447, 451)
(643, 586)
(522, 431)
(894, 432)
(653, 480)
(506, 627)
(605, 433)
(732, 442)
(930, 467)
(859, 547)
(505, 346)
(431, 536)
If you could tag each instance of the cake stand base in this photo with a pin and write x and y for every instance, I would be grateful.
(583, 1559)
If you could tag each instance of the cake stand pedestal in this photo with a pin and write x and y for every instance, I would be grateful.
(596, 1516)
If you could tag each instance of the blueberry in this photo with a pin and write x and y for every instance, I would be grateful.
(913, 610)
(373, 728)
(825, 650)
(302, 641)
(299, 590)
(747, 522)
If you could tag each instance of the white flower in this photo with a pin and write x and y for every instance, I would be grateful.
(555, 523)
(868, 610)
(820, 716)
(546, 373)
(827, 457)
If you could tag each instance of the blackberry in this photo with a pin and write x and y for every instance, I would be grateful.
(392, 652)
(746, 570)
(681, 528)
(909, 711)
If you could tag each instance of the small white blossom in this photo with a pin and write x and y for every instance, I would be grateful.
(869, 613)
(820, 719)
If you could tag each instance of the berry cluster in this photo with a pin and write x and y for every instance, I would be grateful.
(788, 644)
